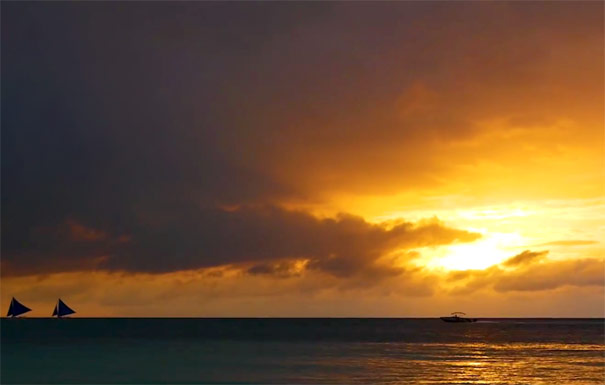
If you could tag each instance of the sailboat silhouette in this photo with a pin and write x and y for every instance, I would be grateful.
(61, 309)
(16, 308)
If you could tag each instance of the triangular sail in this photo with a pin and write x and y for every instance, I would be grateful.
(55, 311)
(62, 309)
(10, 308)
(16, 308)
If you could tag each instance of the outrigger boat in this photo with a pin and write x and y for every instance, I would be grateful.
(61, 309)
(16, 308)
(456, 318)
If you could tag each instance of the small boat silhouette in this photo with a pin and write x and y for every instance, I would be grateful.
(61, 309)
(16, 308)
(456, 318)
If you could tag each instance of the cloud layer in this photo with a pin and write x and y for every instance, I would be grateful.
(221, 104)
(191, 238)
(152, 139)
(530, 271)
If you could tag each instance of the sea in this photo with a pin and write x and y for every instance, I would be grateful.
(301, 351)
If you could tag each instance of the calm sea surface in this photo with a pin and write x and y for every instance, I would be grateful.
(296, 351)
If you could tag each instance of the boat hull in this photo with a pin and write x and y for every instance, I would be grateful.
(458, 319)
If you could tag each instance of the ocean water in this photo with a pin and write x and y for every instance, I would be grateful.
(302, 351)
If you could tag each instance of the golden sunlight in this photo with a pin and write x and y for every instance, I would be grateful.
(303, 193)
(491, 250)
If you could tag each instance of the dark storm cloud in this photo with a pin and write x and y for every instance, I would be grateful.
(190, 238)
(110, 110)
(284, 269)
(136, 120)
(66, 247)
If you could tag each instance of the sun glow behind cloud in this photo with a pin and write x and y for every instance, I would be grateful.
(492, 249)
(510, 228)
(475, 126)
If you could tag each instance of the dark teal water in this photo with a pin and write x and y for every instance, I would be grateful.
(377, 351)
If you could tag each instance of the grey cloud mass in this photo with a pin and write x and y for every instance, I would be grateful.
(192, 238)
(126, 126)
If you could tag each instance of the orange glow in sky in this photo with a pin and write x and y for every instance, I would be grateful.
(401, 160)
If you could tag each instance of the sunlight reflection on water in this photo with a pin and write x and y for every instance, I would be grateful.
(464, 363)
(367, 351)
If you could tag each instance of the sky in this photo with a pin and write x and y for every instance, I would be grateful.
(293, 159)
